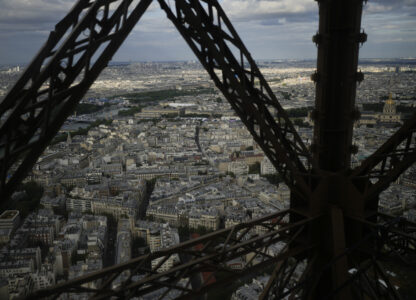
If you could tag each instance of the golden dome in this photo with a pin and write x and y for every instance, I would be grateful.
(390, 100)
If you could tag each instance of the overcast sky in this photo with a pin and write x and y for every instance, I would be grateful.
(274, 29)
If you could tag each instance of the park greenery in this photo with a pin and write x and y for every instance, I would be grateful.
(185, 232)
(77, 257)
(300, 112)
(378, 107)
(81, 131)
(138, 246)
(203, 115)
(87, 108)
(285, 95)
(375, 107)
(28, 200)
(274, 80)
(155, 96)
(254, 168)
(228, 173)
(130, 111)
(299, 122)
(273, 178)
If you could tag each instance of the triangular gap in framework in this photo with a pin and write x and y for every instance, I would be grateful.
(154, 36)
(72, 61)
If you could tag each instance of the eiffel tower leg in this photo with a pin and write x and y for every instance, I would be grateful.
(338, 42)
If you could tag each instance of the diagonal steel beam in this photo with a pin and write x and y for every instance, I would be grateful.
(395, 237)
(44, 97)
(385, 165)
(209, 33)
(208, 261)
(54, 83)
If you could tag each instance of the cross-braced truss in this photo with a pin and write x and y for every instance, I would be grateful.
(383, 167)
(257, 242)
(209, 33)
(329, 244)
(75, 53)
(261, 243)
(368, 279)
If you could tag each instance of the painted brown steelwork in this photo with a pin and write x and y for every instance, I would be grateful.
(396, 234)
(333, 224)
(44, 97)
(366, 277)
(383, 167)
(338, 40)
(47, 93)
(209, 33)
(209, 253)
(334, 196)
(338, 194)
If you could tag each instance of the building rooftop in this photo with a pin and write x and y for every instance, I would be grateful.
(9, 214)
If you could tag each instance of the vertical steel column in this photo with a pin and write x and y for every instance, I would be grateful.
(338, 40)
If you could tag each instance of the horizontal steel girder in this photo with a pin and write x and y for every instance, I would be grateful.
(214, 253)
(74, 55)
(210, 253)
(385, 165)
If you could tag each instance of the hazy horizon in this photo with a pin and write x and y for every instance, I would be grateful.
(361, 60)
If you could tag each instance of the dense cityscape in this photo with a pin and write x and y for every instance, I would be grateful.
(154, 155)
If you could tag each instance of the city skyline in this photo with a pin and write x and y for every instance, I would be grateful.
(112, 177)
(173, 162)
(270, 29)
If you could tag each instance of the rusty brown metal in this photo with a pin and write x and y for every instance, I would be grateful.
(44, 97)
(333, 222)
(213, 39)
(336, 77)
(217, 249)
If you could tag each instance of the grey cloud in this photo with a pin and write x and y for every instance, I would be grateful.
(395, 2)
(33, 10)
(391, 6)
(270, 29)
(267, 11)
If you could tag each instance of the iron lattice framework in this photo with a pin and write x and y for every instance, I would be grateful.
(332, 234)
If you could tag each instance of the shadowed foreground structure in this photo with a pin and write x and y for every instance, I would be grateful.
(332, 227)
